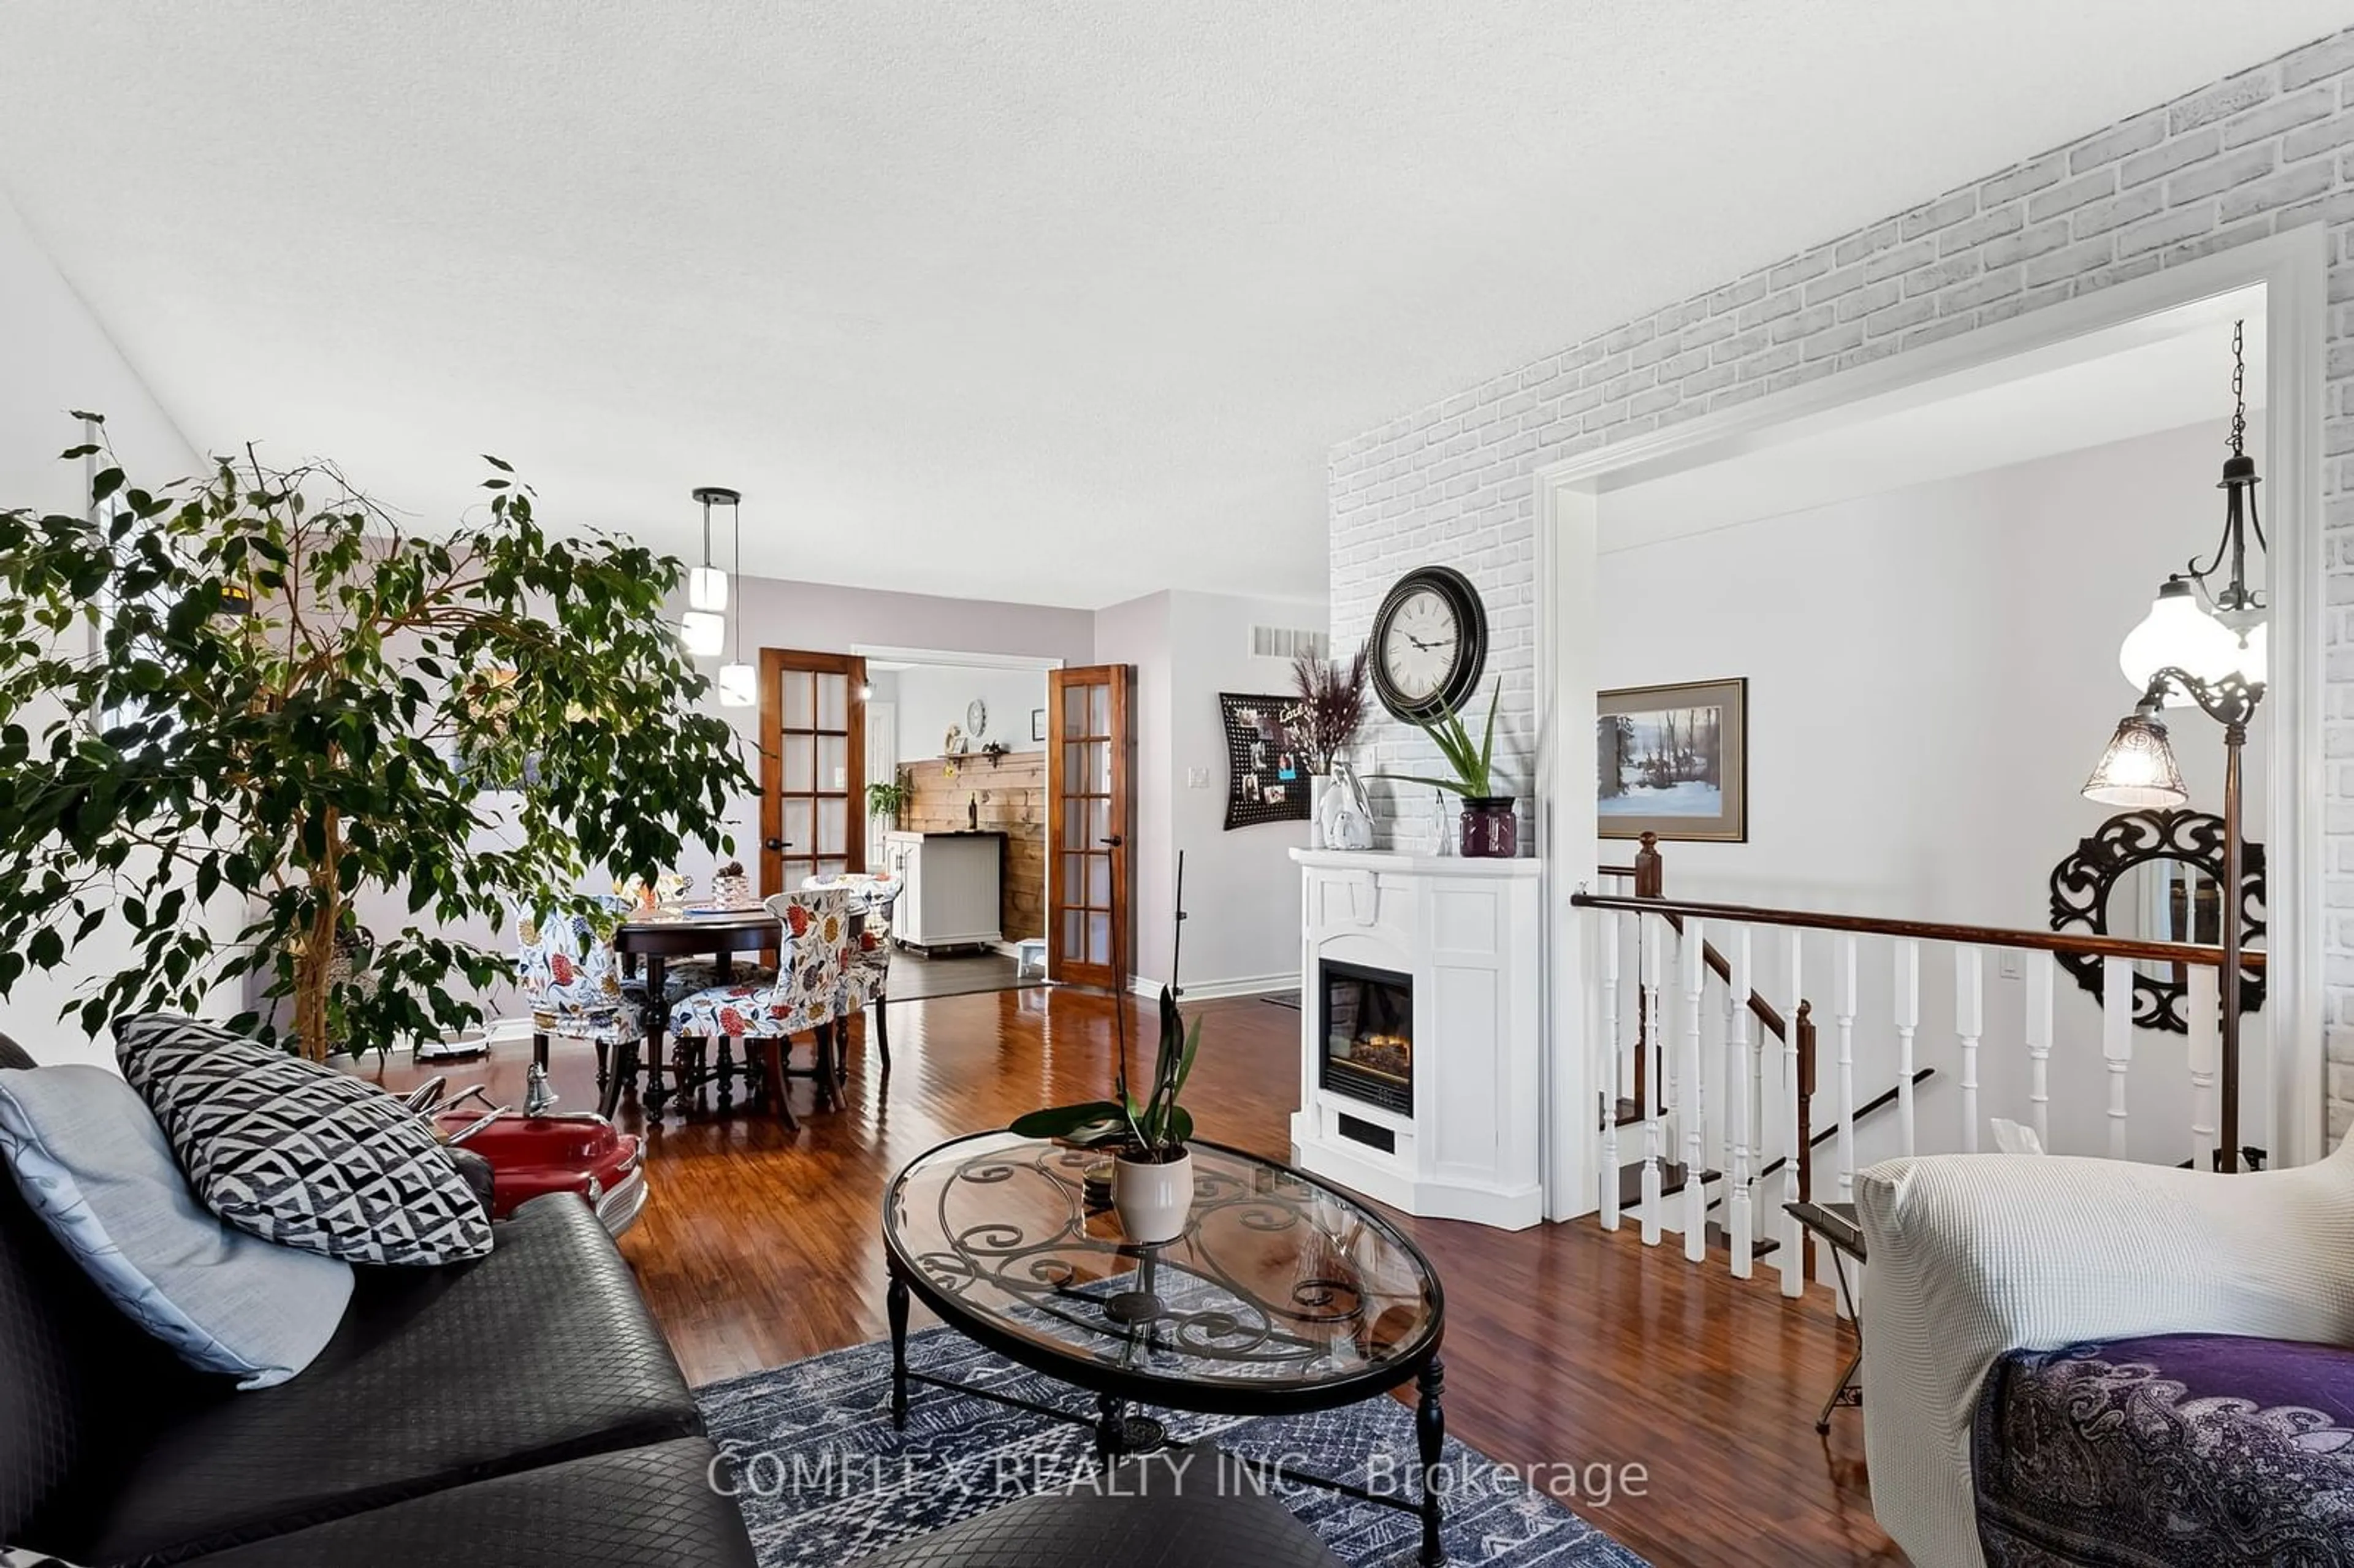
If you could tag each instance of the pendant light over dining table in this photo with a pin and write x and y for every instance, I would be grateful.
(738, 684)
(704, 628)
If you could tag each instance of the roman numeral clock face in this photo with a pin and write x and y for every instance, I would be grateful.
(1429, 643)
(1423, 636)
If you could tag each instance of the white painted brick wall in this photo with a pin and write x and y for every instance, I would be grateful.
(2268, 148)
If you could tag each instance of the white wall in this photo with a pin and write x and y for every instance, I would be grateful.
(1933, 671)
(1242, 891)
(933, 696)
(58, 358)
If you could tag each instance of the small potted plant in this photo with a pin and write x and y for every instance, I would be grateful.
(1322, 723)
(889, 799)
(1152, 1170)
(1489, 829)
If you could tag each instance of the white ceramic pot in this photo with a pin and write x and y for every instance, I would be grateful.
(1153, 1201)
(1319, 787)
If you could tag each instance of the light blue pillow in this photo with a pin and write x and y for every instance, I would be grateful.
(90, 1159)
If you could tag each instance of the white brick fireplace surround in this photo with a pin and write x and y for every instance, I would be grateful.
(2264, 150)
(1462, 936)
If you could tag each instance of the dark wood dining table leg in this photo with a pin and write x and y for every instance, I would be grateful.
(657, 1021)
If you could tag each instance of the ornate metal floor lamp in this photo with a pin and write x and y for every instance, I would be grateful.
(2183, 655)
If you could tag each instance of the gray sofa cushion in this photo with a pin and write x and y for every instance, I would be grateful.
(91, 1161)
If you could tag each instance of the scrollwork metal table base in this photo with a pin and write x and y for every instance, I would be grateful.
(1283, 1297)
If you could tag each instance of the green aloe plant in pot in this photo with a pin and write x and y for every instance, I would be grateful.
(1489, 829)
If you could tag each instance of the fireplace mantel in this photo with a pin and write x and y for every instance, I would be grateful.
(1465, 933)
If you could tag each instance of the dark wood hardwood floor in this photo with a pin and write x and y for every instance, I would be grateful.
(1564, 1345)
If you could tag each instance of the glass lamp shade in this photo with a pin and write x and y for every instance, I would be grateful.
(703, 632)
(2138, 771)
(2248, 657)
(739, 685)
(706, 589)
(2177, 632)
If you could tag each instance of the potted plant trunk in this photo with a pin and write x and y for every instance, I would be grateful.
(1487, 828)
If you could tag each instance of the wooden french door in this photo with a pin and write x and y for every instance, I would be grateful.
(1089, 751)
(812, 766)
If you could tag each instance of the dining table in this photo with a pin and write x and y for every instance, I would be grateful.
(655, 939)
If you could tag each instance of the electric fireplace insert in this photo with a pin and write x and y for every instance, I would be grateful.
(1368, 1022)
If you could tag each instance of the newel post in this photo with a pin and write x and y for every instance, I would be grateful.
(1804, 1147)
(1651, 879)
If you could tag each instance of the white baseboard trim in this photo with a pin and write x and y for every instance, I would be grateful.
(1212, 991)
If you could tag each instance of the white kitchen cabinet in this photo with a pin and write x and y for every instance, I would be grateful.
(949, 888)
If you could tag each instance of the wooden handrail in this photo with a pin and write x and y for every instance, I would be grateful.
(1921, 930)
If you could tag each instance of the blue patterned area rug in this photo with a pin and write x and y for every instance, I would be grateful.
(823, 1478)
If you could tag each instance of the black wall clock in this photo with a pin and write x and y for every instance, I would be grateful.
(1429, 644)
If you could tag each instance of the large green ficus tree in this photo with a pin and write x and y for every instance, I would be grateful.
(259, 683)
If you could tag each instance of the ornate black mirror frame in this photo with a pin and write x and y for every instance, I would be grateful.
(2079, 893)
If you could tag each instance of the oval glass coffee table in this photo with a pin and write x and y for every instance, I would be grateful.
(1283, 1295)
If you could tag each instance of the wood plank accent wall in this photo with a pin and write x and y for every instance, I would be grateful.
(1013, 794)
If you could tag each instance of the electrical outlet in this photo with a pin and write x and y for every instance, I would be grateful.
(1197, 778)
(2009, 964)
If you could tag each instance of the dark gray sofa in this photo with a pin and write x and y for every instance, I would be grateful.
(518, 1410)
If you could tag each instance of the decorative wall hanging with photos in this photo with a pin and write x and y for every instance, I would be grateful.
(1265, 781)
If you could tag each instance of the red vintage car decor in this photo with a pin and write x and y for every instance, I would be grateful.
(529, 1156)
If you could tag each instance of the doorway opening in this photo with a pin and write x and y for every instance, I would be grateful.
(1960, 536)
(962, 739)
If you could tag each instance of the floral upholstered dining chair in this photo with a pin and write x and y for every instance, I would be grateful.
(804, 996)
(571, 981)
(866, 976)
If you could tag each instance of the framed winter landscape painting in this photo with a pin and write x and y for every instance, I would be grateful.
(1674, 760)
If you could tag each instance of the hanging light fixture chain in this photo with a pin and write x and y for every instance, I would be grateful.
(2239, 389)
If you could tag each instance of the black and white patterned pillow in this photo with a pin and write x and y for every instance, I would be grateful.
(296, 1153)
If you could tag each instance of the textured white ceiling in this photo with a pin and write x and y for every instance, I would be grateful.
(1053, 302)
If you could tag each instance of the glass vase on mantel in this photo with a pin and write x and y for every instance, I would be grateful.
(1343, 816)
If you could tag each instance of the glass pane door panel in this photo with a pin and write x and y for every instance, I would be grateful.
(834, 702)
(1074, 880)
(1099, 881)
(833, 763)
(1075, 711)
(1074, 933)
(833, 828)
(801, 701)
(1074, 827)
(801, 827)
(1099, 710)
(801, 764)
(1099, 938)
